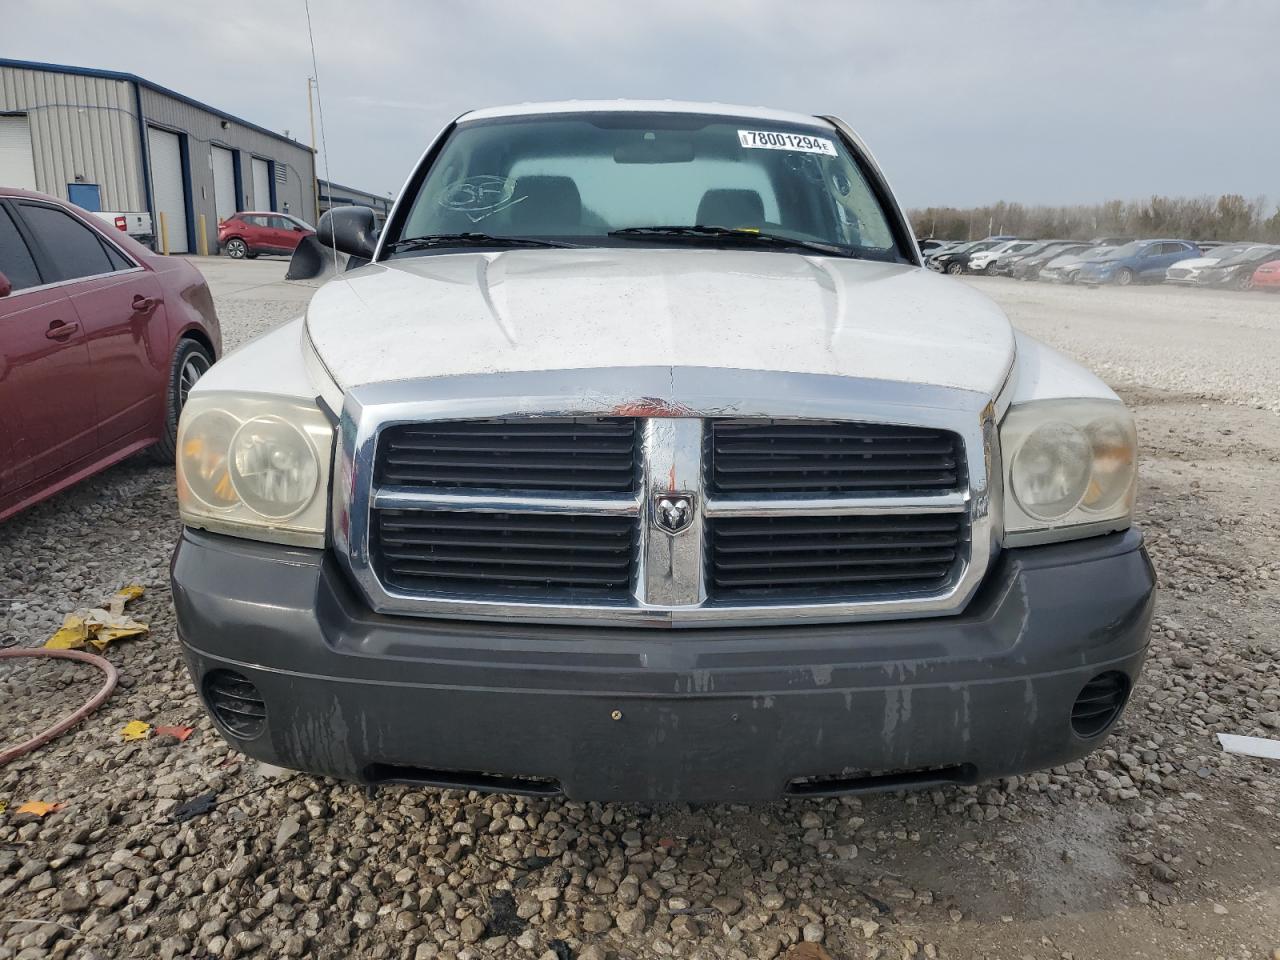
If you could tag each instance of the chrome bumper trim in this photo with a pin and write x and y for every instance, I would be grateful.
(494, 501)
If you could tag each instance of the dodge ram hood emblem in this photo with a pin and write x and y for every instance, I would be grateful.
(673, 512)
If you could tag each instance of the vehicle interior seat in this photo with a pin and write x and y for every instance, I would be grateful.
(550, 205)
(731, 208)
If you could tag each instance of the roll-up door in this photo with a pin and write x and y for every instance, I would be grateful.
(17, 168)
(224, 183)
(167, 186)
(261, 185)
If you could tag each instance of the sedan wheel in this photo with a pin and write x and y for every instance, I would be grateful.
(236, 249)
(1244, 280)
(190, 362)
(195, 366)
(1124, 277)
(955, 269)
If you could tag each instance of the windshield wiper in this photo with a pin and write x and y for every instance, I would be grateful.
(737, 234)
(469, 240)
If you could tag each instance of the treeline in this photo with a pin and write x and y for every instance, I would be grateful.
(1229, 217)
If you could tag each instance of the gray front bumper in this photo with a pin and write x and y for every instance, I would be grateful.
(643, 714)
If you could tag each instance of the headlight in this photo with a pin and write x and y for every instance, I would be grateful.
(255, 466)
(1068, 464)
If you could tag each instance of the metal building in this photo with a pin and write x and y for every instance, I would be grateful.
(336, 195)
(112, 141)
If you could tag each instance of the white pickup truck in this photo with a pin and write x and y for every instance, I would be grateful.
(136, 225)
(643, 460)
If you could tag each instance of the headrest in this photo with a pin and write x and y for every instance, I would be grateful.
(731, 208)
(550, 204)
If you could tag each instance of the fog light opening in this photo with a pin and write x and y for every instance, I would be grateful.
(235, 703)
(1099, 703)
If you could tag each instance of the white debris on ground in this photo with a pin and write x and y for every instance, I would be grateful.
(1160, 844)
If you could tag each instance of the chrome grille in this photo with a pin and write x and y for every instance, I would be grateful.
(506, 554)
(790, 514)
(837, 557)
(582, 454)
(830, 457)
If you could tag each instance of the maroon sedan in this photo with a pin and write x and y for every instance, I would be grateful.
(250, 233)
(100, 342)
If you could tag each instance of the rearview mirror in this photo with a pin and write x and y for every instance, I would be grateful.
(6, 287)
(654, 151)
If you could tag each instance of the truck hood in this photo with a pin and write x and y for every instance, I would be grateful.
(528, 310)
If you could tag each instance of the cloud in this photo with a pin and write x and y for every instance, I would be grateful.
(962, 102)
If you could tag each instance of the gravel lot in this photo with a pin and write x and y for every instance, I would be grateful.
(1158, 845)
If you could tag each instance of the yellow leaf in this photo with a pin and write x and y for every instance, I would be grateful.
(106, 635)
(71, 635)
(123, 596)
(39, 808)
(4, 805)
(135, 730)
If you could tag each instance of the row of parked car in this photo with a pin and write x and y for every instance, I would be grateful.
(1112, 260)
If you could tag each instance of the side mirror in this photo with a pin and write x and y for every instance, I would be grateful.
(6, 287)
(349, 230)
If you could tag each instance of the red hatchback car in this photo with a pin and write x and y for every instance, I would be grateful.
(101, 341)
(252, 232)
(1267, 277)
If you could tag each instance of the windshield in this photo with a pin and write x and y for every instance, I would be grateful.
(581, 177)
(1249, 253)
(1127, 250)
(1070, 255)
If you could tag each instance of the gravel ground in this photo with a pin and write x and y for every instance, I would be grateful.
(1158, 845)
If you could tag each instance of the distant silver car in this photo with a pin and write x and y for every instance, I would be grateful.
(1066, 268)
(644, 460)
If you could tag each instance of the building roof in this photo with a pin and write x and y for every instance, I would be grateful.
(331, 184)
(649, 106)
(143, 82)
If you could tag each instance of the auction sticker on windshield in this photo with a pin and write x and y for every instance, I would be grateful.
(768, 140)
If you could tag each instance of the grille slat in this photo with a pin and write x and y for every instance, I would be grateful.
(583, 454)
(506, 555)
(830, 457)
(824, 558)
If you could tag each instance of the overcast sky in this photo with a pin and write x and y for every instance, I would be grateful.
(963, 101)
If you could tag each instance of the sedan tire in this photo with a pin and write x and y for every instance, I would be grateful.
(190, 362)
(955, 269)
(1124, 276)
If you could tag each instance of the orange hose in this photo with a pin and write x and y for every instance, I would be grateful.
(71, 719)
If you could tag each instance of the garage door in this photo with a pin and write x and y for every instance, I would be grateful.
(17, 169)
(224, 183)
(166, 183)
(261, 185)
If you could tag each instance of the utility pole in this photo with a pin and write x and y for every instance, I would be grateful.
(311, 114)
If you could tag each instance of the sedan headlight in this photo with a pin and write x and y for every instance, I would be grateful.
(1070, 469)
(255, 466)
